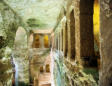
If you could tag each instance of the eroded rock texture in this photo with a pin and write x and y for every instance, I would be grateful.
(20, 56)
(9, 22)
(63, 75)
(76, 22)
(106, 44)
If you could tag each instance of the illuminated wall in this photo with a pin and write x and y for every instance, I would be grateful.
(96, 21)
(46, 41)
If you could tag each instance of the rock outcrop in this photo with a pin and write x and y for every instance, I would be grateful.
(9, 22)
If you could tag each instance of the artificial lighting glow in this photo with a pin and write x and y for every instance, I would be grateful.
(96, 21)
(46, 44)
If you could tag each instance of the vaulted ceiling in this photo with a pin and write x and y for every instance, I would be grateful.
(37, 13)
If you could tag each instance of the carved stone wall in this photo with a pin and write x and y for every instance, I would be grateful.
(106, 42)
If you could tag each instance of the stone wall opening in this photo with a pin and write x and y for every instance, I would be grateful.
(19, 57)
(20, 39)
(86, 30)
(65, 40)
(58, 41)
(89, 34)
(96, 23)
(46, 41)
(30, 41)
(36, 41)
(72, 34)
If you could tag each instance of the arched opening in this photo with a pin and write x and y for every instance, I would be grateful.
(65, 40)
(96, 22)
(57, 43)
(86, 30)
(19, 56)
(89, 31)
(20, 39)
(46, 41)
(72, 34)
(36, 41)
(89, 35)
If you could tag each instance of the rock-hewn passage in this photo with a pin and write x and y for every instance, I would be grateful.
(55, 43)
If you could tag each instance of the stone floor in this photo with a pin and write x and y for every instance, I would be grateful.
(45, 77)
(40, 68)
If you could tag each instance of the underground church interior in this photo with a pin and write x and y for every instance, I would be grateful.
(55, 43)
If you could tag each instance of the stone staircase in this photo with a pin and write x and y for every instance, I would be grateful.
(45, 79)
(42, 76)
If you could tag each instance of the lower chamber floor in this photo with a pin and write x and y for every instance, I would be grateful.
(48, 68)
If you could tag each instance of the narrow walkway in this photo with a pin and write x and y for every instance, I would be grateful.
(45, 77)
(42, 77)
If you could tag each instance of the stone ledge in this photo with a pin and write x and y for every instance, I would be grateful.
(72, 65)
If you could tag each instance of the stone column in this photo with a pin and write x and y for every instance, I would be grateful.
(58, 42)
(49, 41)
(86, 28)
(71, 35)
(69, 39)
(106, 42)
(41, 41)
(77, 29)
(62, 40)
(30, 44)
(52, 40)
(55, 41)
(65, 40)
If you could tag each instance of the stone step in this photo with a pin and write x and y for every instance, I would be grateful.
(45, 79)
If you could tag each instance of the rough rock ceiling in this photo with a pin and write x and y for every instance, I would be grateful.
(45, 12)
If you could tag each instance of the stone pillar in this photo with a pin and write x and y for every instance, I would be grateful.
(65, 40)
(77, 29)
(71, 35)
(36, 82)
(49, 41)
(58, 42)
(30, 41)
(52, 39)
(68, 34)
(41, 41)
(62, 40)
(86, 28)
(55, 42)
(106, 42)
(72, 32)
